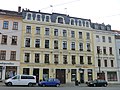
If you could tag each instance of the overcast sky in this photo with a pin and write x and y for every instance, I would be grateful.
(100, 11)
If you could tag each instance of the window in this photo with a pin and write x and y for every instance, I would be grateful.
(38, 17)
(89, 60)
(81, 46)
(28, 29)
(88, 47)
(119, 51)
(29, 17)
(99, 62)
(72, 22)
(55, 32)
(87, 24)
(112, 65)
(97, 38)
(26, 71)
(47, 31)
(5, 24)
(73, 46)
(2, 55)
(37, 43)
(37, 30)
(112, 76)
(110, 50)
(14, 40)
(27, 57)
(4, 39)
(56, 58)
(64, 33)
(72, 34)
(47, 19)
(64, 44)
(73, 74)
(55, 44)
(37, 55)
(46, 58)
(103, 38)
(88, 35)
(98, 50)
(65, 59)
(104, 50)
(60, 20)
(80, 35)
(105, 63)
(80, 23)
(13, 55)
(15, 25)
(46, 43)
(27, 42)
(81, 60)
(109, 39)
(73, 59)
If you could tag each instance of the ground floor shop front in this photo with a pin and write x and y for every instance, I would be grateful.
(110, 75)
(8, 69)
(65, 73)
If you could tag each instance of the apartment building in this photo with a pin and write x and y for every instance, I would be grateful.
(117, 43)
(10, 41)
(105, 53)
(57, 45)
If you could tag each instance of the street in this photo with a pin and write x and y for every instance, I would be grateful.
(59, 88)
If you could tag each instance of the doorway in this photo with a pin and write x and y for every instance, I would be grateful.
(36, 73)
(60, 74)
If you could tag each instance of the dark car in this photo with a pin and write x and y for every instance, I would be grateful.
(50, 82)
(97, 82)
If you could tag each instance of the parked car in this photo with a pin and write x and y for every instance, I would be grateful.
(29, 80)
(97, 82)
(50, 82)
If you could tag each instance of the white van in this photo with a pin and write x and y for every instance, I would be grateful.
(29, 80)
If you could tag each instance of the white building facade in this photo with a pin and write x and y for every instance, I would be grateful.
(10, 41)
(105, 55)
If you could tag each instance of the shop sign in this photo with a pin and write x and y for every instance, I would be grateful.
(6, 63)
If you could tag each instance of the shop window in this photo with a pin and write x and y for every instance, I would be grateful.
(112, 76)
(90, 75)
(73, 74)
(26, 71)
(10, 71)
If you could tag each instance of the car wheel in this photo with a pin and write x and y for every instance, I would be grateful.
(43, 85)
(30, 84)
(105, 85)
(57, 85)
(94, 85)
(9, 84)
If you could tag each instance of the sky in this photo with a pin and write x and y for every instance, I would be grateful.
(99, 11)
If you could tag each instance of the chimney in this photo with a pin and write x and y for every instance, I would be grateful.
(19, 9)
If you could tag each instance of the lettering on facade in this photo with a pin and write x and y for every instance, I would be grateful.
(35, 65)
(6, 63)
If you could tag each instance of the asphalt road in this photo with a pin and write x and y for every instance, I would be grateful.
(59, 88)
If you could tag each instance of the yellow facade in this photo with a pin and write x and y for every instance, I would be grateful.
(65, 69)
